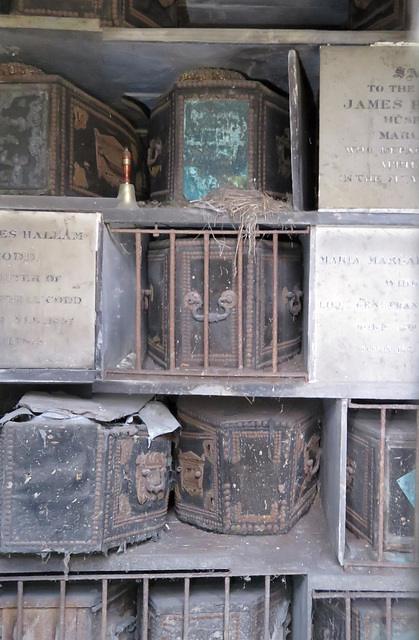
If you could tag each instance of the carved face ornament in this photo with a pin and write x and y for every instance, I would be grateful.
(151, 476)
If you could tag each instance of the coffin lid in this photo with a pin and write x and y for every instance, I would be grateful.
(399, 426)
(232, 412)
(48, 596)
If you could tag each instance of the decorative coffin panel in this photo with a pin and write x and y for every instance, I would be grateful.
(57, 140)
(74, 486)
(225, 443)
(82, 618)
(217, 129)
(363, 478)
(206, 610)
(224, 296)
(368, 619)
(135, 13)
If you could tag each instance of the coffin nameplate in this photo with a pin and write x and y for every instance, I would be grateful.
(365, 302)
(369, 117)
(47, 289)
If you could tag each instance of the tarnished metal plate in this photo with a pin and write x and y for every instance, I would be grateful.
(215, 146)
(369, 117)
(365, 288)
(47, 289)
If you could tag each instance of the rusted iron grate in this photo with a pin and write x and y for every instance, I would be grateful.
(141, 582)
(405, 560)
(293, 368)
(348, 598)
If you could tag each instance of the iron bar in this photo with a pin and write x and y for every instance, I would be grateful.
(19, 622)
(389, 407)
(266, 634)
(144, 610)
(240, 303)
(381, 483)
(378, 595)
(388, 619)
(214, 232)
(115, 374)
(187, 584)
(347, 618)
(275, 304)
(227, 608)
(139, 305)
(206, 300)
(172, 302)
(104, 626)
(61, 624)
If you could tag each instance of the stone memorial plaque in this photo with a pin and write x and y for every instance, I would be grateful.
(369, 124)
(47, 289)
(366, 300)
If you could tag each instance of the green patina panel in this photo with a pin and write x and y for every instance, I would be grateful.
(215, 146)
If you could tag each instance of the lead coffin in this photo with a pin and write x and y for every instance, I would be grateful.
(225, 442)
(57, 140)
(82, 618)
(224, 295)
(73, 486)
(363, 478)
(368, 619)
(206, 610)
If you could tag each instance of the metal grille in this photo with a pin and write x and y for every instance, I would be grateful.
(294, 368)
(349, 598)
(403, 559)
(141, 582)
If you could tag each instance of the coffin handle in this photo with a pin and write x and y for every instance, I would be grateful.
(292, 299)
(226, 301)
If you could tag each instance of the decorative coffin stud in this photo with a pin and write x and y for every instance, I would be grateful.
(246, 468)
(57, 140)
(83, 613)
(217, 129)
(75, 486)
(368, 619)
(399, 483)
(206, 610)
(134, 13)
(368, 151)
(224, 299)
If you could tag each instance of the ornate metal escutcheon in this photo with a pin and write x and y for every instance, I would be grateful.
(151, 476)
(226, 301)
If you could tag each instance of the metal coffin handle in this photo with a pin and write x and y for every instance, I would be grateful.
(227, 300)
(292, 299)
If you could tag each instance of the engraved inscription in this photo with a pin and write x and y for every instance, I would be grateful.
(372, 333)
(369, 122)
(47, 289)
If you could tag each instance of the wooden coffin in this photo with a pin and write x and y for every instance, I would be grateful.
(75, 486)
(206, 610)
(246, 468)
(224, 296)
(120, 13)
(215, 129)
(58, 140)
(83, 612)
(399, 482)
(368, 619)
